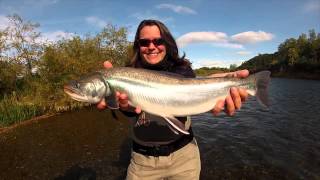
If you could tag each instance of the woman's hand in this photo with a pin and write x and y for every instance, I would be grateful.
(234, 100)
(121, 97)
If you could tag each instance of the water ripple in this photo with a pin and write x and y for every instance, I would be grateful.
(285, 136)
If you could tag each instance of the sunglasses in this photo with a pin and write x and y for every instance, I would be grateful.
(146, 42)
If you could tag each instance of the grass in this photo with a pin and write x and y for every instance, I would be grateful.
(12, 110)
(17, 107)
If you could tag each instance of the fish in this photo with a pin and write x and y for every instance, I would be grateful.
(164, 94)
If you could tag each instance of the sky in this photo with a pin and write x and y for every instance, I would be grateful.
(210, 32)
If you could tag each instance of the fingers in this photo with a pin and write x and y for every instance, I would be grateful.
(239, 74)
(230, 107)
(219, 75)
(123, 101)
(102, 104)
(107, 64)
(232, 102)
(243, 94)
(218, 107)
(235, 97)
(242, 73)
(138, 110)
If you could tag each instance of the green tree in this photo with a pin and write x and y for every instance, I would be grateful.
(293, 56)
(233, 66)
(114, 43)
(23, 44)
(3, 44)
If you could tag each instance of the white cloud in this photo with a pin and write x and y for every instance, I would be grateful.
(4, 22)
(41, 2)
(45, 37)
(55, 36)
(150, 15)
(251, 37)
(144, 16)
(220, 39)
(201, 37)
(312, 6)
(229, 45)
(177, 8)
(243, 52)
(214, 63)
(96, 21)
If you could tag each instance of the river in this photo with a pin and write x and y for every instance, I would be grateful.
(282, 142)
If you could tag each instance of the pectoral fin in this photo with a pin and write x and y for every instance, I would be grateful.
(173, 130)
(176, 124)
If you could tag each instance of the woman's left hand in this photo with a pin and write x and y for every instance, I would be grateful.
(236, 97)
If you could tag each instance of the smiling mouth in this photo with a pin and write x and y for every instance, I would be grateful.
(152, 54)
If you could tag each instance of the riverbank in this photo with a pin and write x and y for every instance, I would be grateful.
(297, 75)
(85, 142)
(26, 122)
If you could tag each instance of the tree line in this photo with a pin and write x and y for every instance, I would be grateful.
(295, 57)
(33, 71)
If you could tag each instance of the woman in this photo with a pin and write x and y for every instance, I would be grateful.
(158, 151)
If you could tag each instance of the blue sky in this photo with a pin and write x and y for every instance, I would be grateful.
(210, 32)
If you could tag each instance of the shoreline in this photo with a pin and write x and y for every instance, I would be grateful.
(26, 122)
(297, 75)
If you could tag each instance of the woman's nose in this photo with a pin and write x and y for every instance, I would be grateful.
(151, 46)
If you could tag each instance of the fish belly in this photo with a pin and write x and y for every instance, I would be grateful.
(176, 100)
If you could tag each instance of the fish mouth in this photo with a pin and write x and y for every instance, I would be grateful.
(74, 93)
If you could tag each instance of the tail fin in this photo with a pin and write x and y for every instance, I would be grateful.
(262, 80)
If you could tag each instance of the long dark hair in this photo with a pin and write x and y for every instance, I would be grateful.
(171, 45)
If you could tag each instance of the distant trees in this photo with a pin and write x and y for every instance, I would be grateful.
(233, 66)
(205, 71)
(293, 55)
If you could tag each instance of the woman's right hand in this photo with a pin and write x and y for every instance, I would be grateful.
(121, 97)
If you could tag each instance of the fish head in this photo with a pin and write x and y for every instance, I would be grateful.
(91, 89)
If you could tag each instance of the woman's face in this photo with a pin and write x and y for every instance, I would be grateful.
(152, 48)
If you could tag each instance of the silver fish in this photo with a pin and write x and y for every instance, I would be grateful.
(164, 94)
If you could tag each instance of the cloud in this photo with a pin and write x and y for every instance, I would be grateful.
(214, 63)
(96, 21)
(41, 2)
(220, 39)
(55, 36)
(45, 37)
(4, 22)
(251, 37)
(150, 15)
(201, 37)
(228, 45)
(177, 8)
(312, 6)
(243, 52)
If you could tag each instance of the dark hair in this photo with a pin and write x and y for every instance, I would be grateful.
(171, 45)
